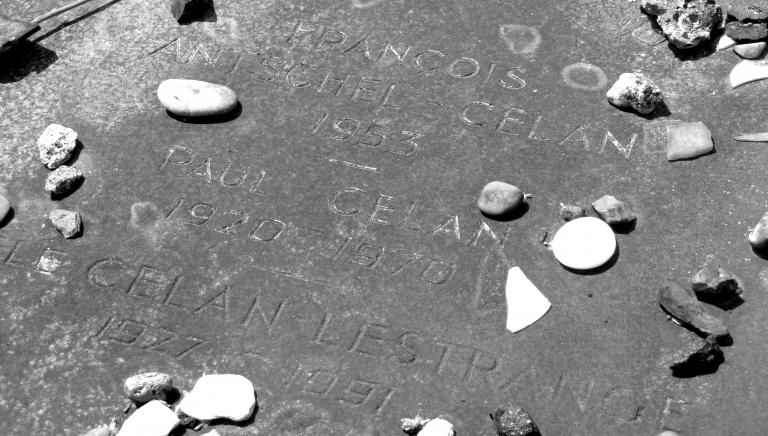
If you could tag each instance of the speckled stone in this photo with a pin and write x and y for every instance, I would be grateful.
(688, 140)
(686, 23)
(755, 11)
(195, 98)
(613, 211)
(67, 222)
(746, 32)
(56, 145)
(514, 421)
(5, 207)
(702, 357)
(148, 386)
(63, 179)
(635, 91)
(499, 198)
(750, 51)
(569, 212)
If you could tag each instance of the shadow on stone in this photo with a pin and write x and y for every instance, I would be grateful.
(728, 304)
(66, 24)
(241, 424)
(8, 217)
(213, 119)
(702, 50)
(624, 228)
(515, 214)
(75, 186)
(190, 11)
(23, 59)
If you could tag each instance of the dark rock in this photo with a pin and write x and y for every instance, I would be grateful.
(514, 421)
(569, 212)
(613, 211)
(701, 358)
(681, 304)
(188, 11)
(746, 32)
(656, 7)
(716, 285)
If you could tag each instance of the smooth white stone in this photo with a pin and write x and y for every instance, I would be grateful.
(584, 243)
(525, 303)
(748, 71)
(151, 419)
(437, 427)
(216, 396)
(195, 98)
(725, 42)
(750, 51)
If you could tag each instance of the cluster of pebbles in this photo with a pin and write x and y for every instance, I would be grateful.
(507, 420)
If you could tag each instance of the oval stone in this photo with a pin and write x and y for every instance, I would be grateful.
(750, 51)
(499, 198)
(584, 243)
(195, 98)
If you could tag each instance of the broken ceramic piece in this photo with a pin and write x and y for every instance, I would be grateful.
(748, 71)
(525, 303)
(214, 396)
(514, 421)
(681, 303)
(700, 358)
(584, 243)
(151, 419)
(752, 137)
(688, 141)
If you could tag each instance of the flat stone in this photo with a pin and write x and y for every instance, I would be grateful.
(148, 386)
(525, 303)
(716, 285)
(569, 212)
(748, 71)
(5, 207)
(499, 198)
(613, 211)
(63, 179)
(745, 10)
(437, 427)
(584, 243)
(56, 145)
(214, 396)
(635, 91)
(746, 32)
(750, 51)
(688, 140)
(758, 236)
(681, 303)
(188, 11)
(514, 421)
(195, 98)
(703, 357)
(67, 222)
(151, 419)
(687, 23)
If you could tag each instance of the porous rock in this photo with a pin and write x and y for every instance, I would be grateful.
(214, 396)
(151, 419)
(187, 11)
(681, 303)
(746, 32)
(751, 50)
(613, 211)
(148, 386)
(195, 98)
(714, 284)
(686, 23)
(514, 421)
(703, 357)
(437, 427)
(67, 222)
(688, 140)
(758, 236)
(56, 145)
(569, 212)
(63, 179)
(499, 198)
(635, 91)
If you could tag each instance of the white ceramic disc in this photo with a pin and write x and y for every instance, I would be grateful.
(584, 243)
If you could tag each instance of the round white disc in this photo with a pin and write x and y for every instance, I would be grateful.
(584, 243)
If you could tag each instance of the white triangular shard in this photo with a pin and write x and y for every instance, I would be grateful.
(151, 419)
(725, 42)
(525, 303)
(748, 71)
(753, 137)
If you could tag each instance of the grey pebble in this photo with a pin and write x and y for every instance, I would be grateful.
(499, 198)
(716, 285)
(681, 303)
(68, 223)
(635, 91)
(569, 212)
(514, 421)
(148, 386)
(63, 179)
(613, 211)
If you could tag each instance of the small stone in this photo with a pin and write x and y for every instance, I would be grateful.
(143, 388)
(5, 207)
(56, 145)
(750, 51)
(681, 304)
(514, 421)
(187, 11)
(151, 419)
(569, 212)
(412, 425)
(613, 211)
(195, 98)
(713, 284)
(68, 223)
(746, 32)
(214, 396)
(437, 427)
(499, 198)
(584, 243)
(63, 179)
(686, 23)
(702, 358)
(758, 236)
(688, 141)
(635, 91)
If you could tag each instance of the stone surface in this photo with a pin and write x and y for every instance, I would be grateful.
(656, 7)
(750, 51)
(714, 284)
(195, 98)
(746, 32)
(67, 222)
(686, 23)
(102, 430)
(525, 303)
(63, 179)
(668, 433)
(681, 303)
(56, 145)
(635, 91)
(613, 211)
(758, 236)
(688, 141)
(703, 357)
(5, 207)
(214, 396)
(187, 11)
(745, 10)
(437, 427)
(569, 212)
(148, 386)
(514, 421)
(151, 419)
(499, 198)
(584, 243)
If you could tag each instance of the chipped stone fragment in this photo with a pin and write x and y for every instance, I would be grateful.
(437, 427)
(151, 419)
(67, 222)
(214, 396)
(635, 91)
(514, 421)
(148, 386)
(63, 179)
(758, 236)
(195, 98)
(688, 141)
(5, 208)
(613, 211)
(686, 23)
(746, 32)
(525, 303)
(412, 425)
(703, 357)
(499, 198)
(681, 304)
(569, 212)
(56, 145)
(714, 284)
(750, 51)
(187, 11)
(748, 71)
(584, 243)
(725, 42)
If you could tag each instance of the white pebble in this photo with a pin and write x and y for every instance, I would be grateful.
(56, 145)
(195, 98)
(228, 396)
(151, 419)
(437, 427)
(584, 243)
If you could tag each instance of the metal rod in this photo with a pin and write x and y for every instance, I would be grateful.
(58, 11)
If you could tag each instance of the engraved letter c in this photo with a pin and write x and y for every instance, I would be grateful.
(98, 277)
(463, 114)
(335, 197)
